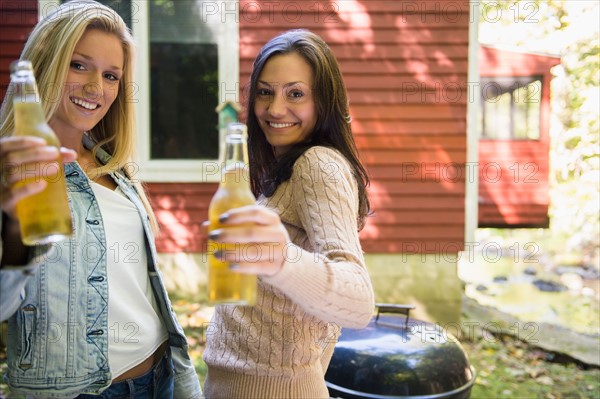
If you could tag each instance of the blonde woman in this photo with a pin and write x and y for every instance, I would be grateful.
(88, 317)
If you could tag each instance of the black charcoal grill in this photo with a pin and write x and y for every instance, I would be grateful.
(398, 357)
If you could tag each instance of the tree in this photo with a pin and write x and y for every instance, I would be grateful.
(568, 28)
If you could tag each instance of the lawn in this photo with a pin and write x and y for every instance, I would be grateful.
(509, 368)
(506, 367)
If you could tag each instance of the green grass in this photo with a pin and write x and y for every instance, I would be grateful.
(193, 321)
(506, 367)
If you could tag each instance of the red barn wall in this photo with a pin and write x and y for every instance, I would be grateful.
(405, 67)
(181, 208)
(513, 174)
(17, 19)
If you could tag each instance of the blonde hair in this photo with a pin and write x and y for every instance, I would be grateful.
(50, 47)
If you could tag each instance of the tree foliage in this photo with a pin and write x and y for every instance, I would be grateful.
(569, 29)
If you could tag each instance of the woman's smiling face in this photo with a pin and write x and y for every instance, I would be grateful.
(92, 83)
(284, 105)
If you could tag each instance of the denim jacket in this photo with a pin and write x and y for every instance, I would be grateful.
(58, 334)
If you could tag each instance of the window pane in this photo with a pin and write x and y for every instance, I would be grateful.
(528, 106)
(122, 7)
(183, 81)
(511, 108)
(496, 123)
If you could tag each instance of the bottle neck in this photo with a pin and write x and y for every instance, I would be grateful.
(25, 94)
(235, 161)
(236, 153)
(24, 86)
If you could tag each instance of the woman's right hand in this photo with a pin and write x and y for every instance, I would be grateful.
(21, 157)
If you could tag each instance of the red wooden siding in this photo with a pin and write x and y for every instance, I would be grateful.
(513, 174)
(405, 67)
(181, 209)
(17, 18)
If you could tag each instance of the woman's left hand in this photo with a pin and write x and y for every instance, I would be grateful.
(259, 239)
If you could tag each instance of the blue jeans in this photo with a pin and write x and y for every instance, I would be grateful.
(157, 383)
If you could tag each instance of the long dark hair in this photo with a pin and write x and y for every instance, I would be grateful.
(332, 128)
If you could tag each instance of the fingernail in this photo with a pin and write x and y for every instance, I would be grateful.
(223, 218)
(213, 235)
(38, 139)
(50, 150)
(218, 254)
(234, 267)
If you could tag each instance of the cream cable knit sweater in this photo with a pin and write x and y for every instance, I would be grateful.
(281, 347)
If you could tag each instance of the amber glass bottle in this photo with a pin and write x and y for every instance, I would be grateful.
(224, 285)
(44, 217)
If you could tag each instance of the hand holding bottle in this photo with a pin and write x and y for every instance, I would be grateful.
(261, 229)
(45, 216)
(20, 157)
(225, 285)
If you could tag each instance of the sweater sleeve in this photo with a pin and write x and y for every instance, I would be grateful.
(329, 281)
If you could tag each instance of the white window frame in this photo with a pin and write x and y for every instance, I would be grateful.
(184, 170)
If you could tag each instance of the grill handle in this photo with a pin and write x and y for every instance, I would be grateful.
(394, 308)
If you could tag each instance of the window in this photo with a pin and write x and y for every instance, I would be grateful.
(187, 64)
(511, 108)
(124, 8)
(184, 82)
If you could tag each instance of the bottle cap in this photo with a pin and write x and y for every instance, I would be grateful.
(20, 65)
(236, 131)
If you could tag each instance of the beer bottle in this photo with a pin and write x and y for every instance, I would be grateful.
(44, 217)
(224, 285)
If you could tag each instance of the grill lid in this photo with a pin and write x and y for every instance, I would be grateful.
(398, 357)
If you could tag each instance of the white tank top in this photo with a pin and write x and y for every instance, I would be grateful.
(135, 329)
